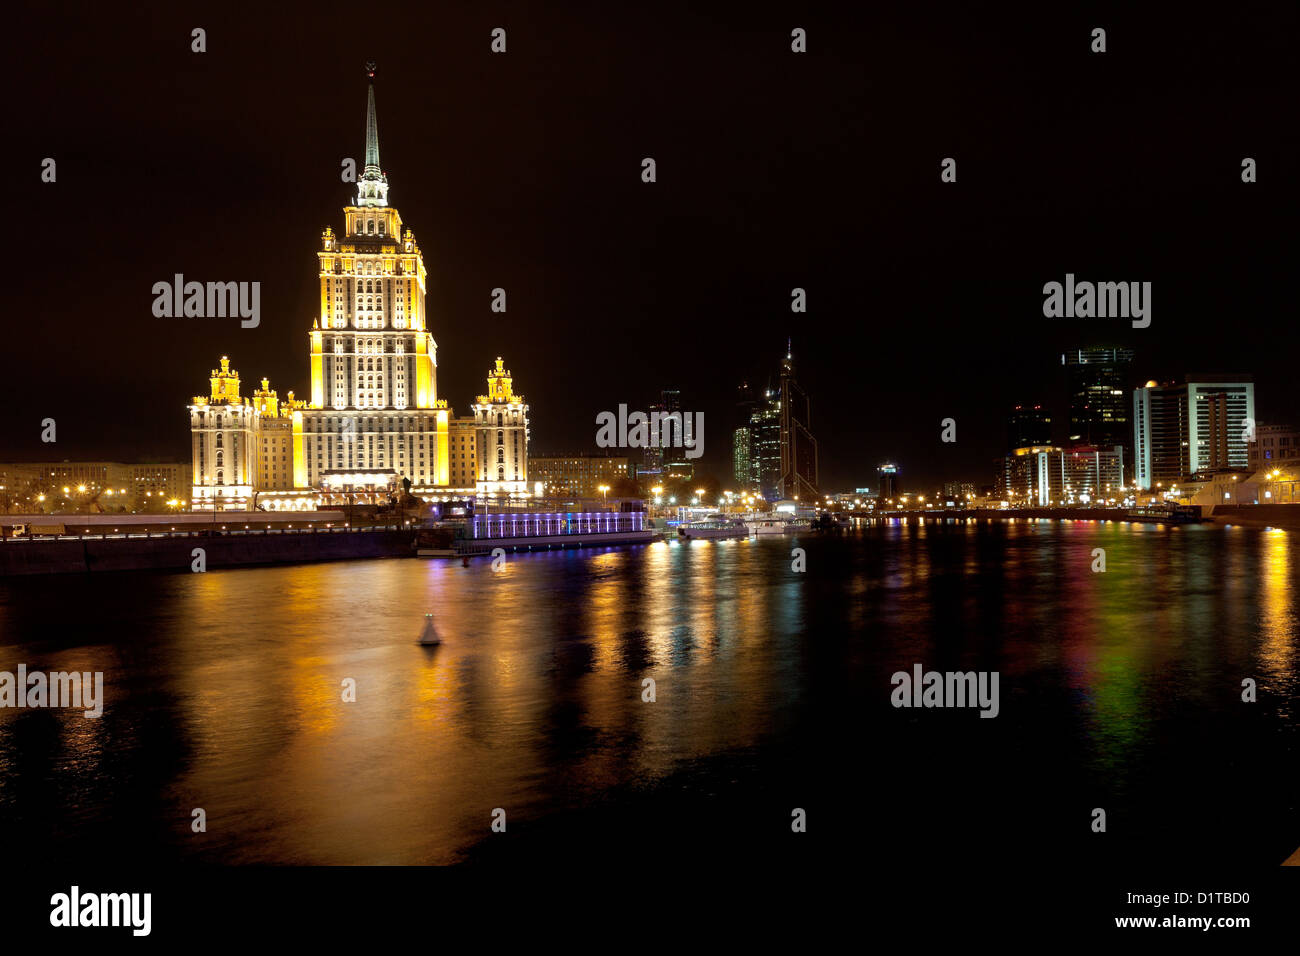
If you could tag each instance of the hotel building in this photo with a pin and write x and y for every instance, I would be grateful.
(374, 410)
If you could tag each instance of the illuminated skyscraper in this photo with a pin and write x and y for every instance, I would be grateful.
(374, 393)
(798, 447)
(765, 445)
(742, 464)
(1100, 388)
(374, 408)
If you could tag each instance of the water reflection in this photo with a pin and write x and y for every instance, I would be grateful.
(226, 689)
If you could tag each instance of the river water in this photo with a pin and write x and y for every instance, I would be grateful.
(1118, 690)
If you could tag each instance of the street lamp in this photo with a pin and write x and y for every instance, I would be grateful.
(604, 491)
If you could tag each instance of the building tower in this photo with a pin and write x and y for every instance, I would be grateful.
(676, 463)
(223, 427)
(374, 397)
(1028, 425)
(798, 447)
(742, 466)
(1100, 391)
(889, 485)
(501, 423)
(765, 445)
(1196, 426)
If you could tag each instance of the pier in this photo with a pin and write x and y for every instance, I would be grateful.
(540, 531)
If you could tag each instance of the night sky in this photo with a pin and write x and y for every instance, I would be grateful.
(775, 170)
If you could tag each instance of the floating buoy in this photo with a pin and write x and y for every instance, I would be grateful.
(429, 637)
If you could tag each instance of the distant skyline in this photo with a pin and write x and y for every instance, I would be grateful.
(775, 170)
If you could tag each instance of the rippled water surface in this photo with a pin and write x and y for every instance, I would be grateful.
(1119, 690)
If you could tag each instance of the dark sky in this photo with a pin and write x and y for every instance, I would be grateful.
(775, 170)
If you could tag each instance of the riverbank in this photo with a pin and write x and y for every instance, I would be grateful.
(1258, 516)
(1254, 516)
(177, 552)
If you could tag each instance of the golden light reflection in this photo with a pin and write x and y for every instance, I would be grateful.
(1277, 610)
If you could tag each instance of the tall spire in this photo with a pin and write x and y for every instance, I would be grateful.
(373, 188)
(372, 124)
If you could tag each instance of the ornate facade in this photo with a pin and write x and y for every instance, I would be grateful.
(374, 406)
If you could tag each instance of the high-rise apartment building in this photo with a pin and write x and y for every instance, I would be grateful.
(1198, 425)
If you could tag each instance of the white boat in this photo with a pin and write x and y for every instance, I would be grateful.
(714, 526)
(429, 637)
(765, 524)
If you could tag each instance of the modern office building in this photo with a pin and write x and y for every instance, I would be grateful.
(655, 458)
(1191, 427)
(765, 446)
(742, 464)
(889, 484)
(1099, 382)
(676, 463)
(1028, 425)
(799, 478)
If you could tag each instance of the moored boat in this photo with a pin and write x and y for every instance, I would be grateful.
(768, 524)
(714, 526)
(1166, 514)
